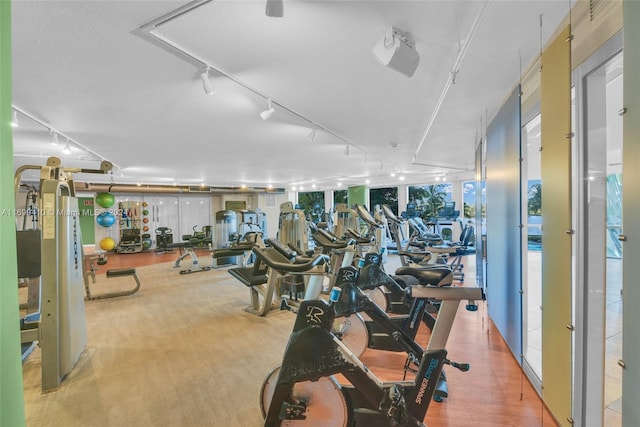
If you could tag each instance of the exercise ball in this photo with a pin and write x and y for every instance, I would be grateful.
(145, 212)
(145, 220)
(145, 228)
(145, 204)
(105, 200)
(146, 243)
(106, 219)
(107, 244)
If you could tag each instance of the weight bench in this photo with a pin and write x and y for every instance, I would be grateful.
(254, 278)
(121, 272)
(225, 253)
(189, 251)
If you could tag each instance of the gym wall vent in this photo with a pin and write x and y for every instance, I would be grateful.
(199, 189)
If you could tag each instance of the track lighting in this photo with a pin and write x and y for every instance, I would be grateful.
(14, 119)
(266, 114)
(275, 8)
(312, 135)
(67, 148)
(346, 150)
(53, 138)
(206, 82)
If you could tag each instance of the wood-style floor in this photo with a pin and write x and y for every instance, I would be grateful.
(182, 352)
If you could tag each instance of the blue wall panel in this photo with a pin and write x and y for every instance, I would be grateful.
(504, 247)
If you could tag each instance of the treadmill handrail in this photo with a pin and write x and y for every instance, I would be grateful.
(366, 217)
(388, 213)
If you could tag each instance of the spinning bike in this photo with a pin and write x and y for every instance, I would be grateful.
(303, 391)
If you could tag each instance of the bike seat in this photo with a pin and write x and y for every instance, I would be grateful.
(436, 276)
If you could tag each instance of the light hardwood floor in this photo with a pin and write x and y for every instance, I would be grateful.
(182, 352)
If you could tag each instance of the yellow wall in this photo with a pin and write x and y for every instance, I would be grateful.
(555, 107)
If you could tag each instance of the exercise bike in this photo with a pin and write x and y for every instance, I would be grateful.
(303, 391)
(359, 322)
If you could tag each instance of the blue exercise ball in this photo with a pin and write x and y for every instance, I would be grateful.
(106, 219)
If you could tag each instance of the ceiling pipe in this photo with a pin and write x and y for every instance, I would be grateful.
(168, 189)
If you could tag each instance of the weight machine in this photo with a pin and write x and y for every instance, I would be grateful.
(52, 258)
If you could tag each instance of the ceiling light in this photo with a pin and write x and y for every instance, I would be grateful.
(270, 186)
(14, 119)
(444, 178)
(393, 174)
(312, 135)
(53, 138)
(206, 82)
(266, 114)
(339, 184)
(437, 179)
(401, 177)
(67, 148)
(396, 50)
(301, 188)
(275, 8)
(368, 181)
(293, 188)
(313, 186)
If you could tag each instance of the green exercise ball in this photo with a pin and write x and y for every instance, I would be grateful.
(105, 200)
(145, 212)
(107, 244)
(146, 243)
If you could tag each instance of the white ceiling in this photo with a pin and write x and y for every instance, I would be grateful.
(96, 72)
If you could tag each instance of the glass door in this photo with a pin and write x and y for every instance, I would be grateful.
(532, 250)
(599, 265)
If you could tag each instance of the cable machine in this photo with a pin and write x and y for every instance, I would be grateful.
(53, 256)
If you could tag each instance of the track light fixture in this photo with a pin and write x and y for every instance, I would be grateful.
(346, 150)
(275, 9)
(312, 135)
(266, 114)
(206, 82)
(67, 148)
(53, 138)
(14, 119)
